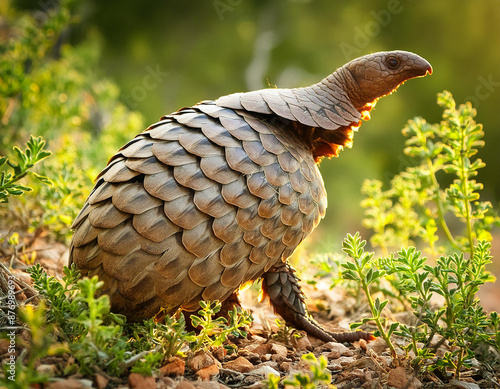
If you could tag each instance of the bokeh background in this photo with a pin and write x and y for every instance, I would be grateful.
(164, 55)
(213, 48)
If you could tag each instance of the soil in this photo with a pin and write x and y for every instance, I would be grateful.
(358, 365)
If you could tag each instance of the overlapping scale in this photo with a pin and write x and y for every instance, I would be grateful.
(206, 199)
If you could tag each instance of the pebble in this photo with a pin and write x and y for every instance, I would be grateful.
(285, 367)
(257, 339)
(463, 385)
(338, 350)
(240, 364)
(184, 384)
(46, 369)
(169, 383)
(207, 373)
(264, 371)
(202, 360)
(340, 363)
(138, 381)
(65, 384)
(219, 353)
(399, 379)
(261, 349)
(175, 366)
(304, 343)
(273, 364)
(101, 381)
(206, 385)
(249, 355)
(378, 345)
(280, 352)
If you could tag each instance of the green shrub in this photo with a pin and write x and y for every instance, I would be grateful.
(417, 205)
(415, 209)
(317, 376)
(21, 167)
(73, 317)
(50, 88)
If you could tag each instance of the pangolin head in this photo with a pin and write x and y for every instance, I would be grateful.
(381, 73)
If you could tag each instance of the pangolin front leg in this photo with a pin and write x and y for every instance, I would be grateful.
(285, 294)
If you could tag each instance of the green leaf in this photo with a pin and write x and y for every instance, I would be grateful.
(392, 328)
(43, 179)
(379, 306)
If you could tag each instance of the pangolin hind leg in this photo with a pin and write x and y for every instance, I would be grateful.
(282, 286)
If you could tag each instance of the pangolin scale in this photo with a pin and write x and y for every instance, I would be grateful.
(222, 193)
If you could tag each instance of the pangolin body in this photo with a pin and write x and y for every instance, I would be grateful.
(222, 193)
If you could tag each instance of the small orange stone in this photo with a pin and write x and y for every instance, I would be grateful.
(207, 373)
(240, 364)
(175, 366)
(138, 381)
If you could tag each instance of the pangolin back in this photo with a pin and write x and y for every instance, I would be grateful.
(204, 200)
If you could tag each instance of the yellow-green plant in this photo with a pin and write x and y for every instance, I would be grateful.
(74, 314)
(417, 206)
(50, 88)
(317, 376)
(363, 270)
(21, 167)
(215, 330)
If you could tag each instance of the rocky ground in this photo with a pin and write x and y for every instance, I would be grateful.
(263, 352)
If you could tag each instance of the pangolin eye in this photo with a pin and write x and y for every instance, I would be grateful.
(393, 63)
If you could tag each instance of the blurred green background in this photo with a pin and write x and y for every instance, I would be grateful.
(164, 55)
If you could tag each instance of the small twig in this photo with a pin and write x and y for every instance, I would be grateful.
(101, 372)
(33, 292)
(377, 384)
(373, 356)
(129, 362)
(37, 249)
(29, 299)
(23, 354)
(9, 328)
(20, 291)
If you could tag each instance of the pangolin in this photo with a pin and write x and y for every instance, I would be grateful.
(222, 193)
